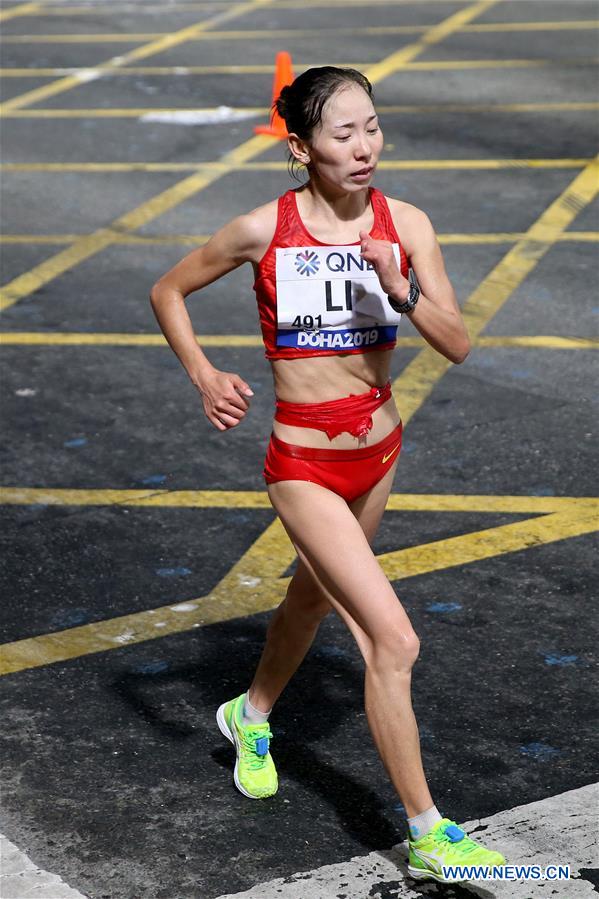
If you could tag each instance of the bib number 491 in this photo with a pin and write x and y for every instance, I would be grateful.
(309, 322)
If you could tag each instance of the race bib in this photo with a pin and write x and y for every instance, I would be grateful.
(330, 298)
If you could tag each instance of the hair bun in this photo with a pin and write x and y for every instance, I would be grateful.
(282, 102)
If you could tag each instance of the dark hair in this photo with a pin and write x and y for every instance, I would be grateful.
(301, 103)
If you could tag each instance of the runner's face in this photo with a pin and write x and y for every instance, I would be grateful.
(345, 149)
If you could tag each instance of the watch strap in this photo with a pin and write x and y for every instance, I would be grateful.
(412, 298)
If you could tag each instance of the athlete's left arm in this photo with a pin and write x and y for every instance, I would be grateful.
(437, 315)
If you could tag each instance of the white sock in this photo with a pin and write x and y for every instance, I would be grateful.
(252, 715)
(422, 823)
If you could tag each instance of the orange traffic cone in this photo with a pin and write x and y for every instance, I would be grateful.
(283, 76)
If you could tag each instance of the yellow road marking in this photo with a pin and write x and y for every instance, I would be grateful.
(164, 42)
(255, 584)
(24, 9)
(572, 25)
(516, 505)
(199, 239)
(57, 338)
(113, 38)
(439, 108)
(220, 35)
(434, 65)
(421, 375)
(140, 9)
(281, 4)
(256, 499)
(440, 64)
(286, 33)
(489, 543)
(88, 245)
(276, 166)
(491, 107)
(553, 342)
(133, 6)
(512, 237)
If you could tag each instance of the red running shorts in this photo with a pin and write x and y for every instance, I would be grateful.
(348, 473)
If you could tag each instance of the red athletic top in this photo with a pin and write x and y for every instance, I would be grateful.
(283, 342)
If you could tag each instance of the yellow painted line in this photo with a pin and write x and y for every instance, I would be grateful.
(281, 4)
(255, 584)
(512, 237)
(491, 107)
(439, 108)
(572, 25)
(114, 8)
(89, 245)
(117, 113)
(451, 64)
(254, 499)
(56, 338)
(515, 504)
(276, 166)
(24, 9)
(220, 35)
(487, 544)
(150, 70)
(116, 38)
(134, 7)
(545, 342)
(40, 338)
(482, 164)
(420, 376)
(128, 239)
(199, 239)
(442, 64)
(164, 42)
(294, 4)
(286, 33)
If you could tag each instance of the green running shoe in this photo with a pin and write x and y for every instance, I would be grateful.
(444, 846)
(255, 774)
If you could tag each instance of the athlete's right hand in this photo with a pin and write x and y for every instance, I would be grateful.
(225, 397)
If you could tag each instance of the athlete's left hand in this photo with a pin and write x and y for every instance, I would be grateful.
(380, 254)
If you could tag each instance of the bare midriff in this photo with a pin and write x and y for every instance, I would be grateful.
(319, 379)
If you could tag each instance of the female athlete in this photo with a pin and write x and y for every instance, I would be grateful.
(331, 262)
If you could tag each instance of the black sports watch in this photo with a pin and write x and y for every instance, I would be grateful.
(411, 299)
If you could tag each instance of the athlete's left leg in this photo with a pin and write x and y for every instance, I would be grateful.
(295, 622)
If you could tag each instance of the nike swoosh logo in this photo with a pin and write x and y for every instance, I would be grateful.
(388, 456)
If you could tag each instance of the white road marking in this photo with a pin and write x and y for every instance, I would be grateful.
(21, 878)
(198, 116)
(85, 75)
(562, 829)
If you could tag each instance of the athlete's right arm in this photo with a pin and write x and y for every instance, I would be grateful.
(245, 239)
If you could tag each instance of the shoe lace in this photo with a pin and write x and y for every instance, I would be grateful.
(250, 736)
(463, 846)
